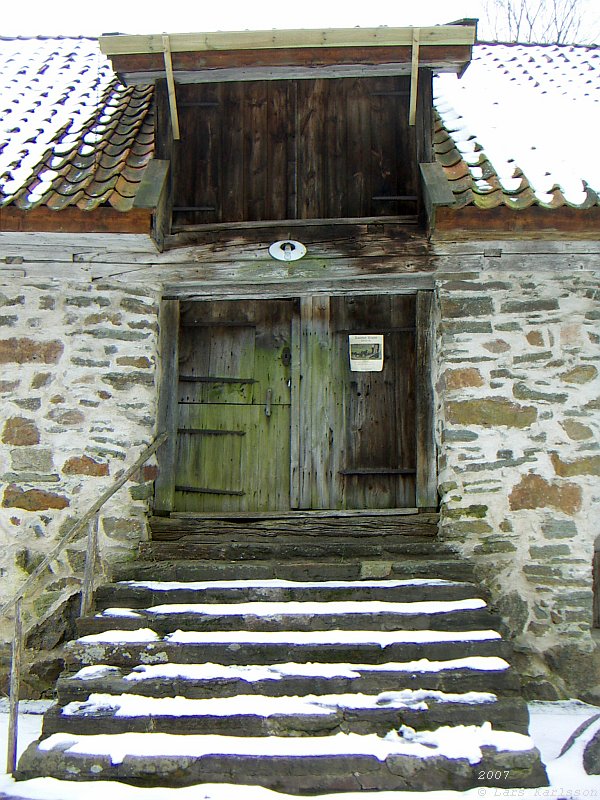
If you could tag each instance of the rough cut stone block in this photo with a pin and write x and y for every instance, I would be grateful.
(581, 374)
(467, 307)
(533, 491)
(589, 465)
(35, 459)
(20, 431)
(526, 306)
(84, 465)
(490, 412)
(24, 351)
(461, 378)
(32, 499)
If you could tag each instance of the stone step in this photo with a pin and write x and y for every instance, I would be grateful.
(293, 548)
(198, 681)
(310, 715)
(453, 615)
(130, 594)
(129, 648)
(403, 760)
(345, 569)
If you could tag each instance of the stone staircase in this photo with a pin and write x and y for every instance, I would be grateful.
(307, 656)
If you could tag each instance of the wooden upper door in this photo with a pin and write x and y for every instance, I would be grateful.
(233, 430)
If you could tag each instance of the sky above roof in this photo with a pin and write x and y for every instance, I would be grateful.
(71, 17)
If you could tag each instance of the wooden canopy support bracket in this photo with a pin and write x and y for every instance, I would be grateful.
(171, 85)
(414, 76)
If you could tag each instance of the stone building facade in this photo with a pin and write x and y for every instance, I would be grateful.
(515, 370)
(518, 391)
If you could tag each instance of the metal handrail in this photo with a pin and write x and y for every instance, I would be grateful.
(89, 518)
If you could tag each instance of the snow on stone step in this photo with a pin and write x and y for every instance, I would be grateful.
(209, 671)
(280, 583)
(292, 608)
(454, 742)
(131, 705)
(351, 637)
(275, 672)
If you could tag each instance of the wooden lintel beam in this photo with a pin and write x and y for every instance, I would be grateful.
(286, 39)
(414, 77)
(171, 86)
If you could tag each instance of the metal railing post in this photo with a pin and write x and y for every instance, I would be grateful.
(15, 684)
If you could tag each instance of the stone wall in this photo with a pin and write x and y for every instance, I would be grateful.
(77, 405)
(518, 393)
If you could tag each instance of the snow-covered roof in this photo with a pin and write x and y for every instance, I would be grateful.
(70, 134)
(518, 128)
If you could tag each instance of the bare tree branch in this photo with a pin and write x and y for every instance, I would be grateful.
(543, 21)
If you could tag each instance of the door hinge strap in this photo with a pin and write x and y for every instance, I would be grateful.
(199, 490)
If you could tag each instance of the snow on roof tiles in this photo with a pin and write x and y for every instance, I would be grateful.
(517, 129)
(70, 133)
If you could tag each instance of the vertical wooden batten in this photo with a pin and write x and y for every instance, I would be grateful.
(414, 77)
(295, 400)
(426, 483)
(164, 486)
(171, 85)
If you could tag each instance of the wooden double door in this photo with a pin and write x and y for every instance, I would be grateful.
(271, 417)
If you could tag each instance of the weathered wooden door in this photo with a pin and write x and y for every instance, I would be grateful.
(233, 430)
(358, 430)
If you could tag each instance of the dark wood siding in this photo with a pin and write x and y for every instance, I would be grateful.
(307, 149)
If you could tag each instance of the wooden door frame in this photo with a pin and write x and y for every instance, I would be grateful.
(167, 379)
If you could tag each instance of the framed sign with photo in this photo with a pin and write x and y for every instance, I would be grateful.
(366, 352)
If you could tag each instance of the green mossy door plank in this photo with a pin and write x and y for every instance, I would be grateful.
(233, 370)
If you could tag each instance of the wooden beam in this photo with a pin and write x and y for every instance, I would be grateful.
(302, 63)
(74, 220)
(152, 184)
(171, 86)
(437, 186)
(164, 486)
(436, 190)
(502, 222)
(426, 487)
(121, 44)
(225, 290)
(414, 77)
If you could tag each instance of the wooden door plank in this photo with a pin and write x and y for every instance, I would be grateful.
(295, 411)
(255, 150)
(312, 163)
(304, 408)
(167, 416)
(279, 124)
(426, 479)
(233, 166)
(320, 440)
(359, 156)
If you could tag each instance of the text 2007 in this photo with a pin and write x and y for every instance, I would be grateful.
(493, 775)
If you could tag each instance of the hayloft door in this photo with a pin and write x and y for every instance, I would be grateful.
(234, 389)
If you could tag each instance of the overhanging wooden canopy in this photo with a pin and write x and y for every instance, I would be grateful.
(289, 54)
